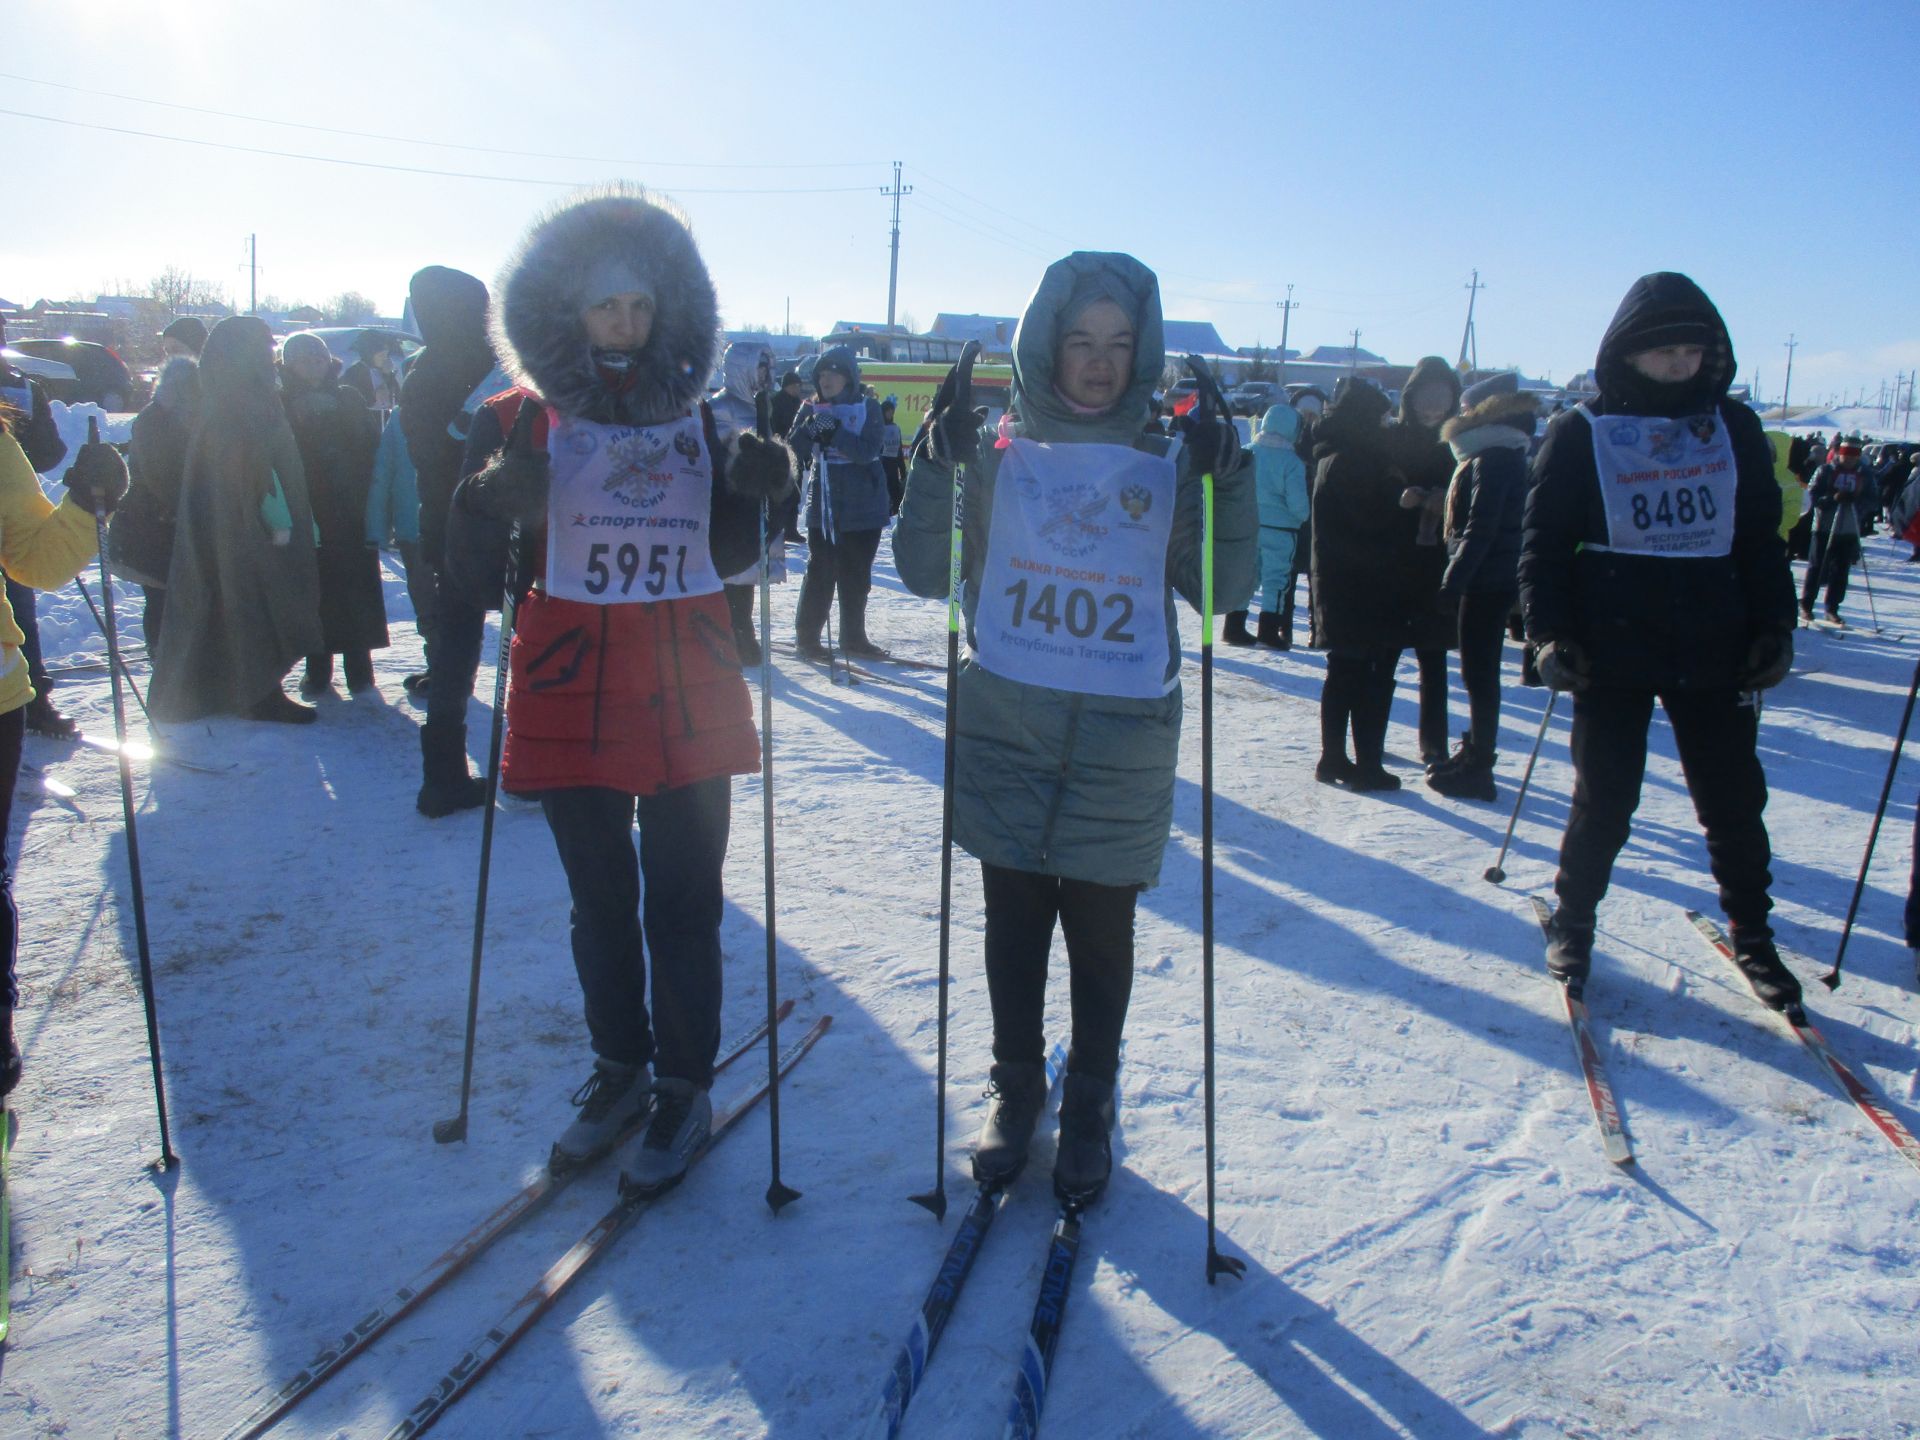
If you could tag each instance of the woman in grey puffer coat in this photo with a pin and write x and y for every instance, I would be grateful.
(1078, 530)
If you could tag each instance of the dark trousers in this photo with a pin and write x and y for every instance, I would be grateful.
(1097, 921)
(845, 564)
(1434, 726)
(1359, 692)
(1483, 638)
(151, 617)
(742, 601)
(683, 845)
(1830, 559)
(423, 586)
(13, 728)
(26, 614)
(453, 658)
(1715, 736)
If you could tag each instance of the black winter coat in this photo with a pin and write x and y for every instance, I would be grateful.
(1364, 576)
(450, 307)
(1485, 507)
(1651, 622)
(337, 435)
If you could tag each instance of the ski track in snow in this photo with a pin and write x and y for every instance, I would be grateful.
(1435, 1245)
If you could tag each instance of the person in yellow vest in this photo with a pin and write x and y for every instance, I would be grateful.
(42, 545)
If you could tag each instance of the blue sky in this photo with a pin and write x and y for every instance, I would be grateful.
(1371, 154)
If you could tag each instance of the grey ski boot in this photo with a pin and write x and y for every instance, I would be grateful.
(1016, 1094)
(682, 1121)
(612, 1101)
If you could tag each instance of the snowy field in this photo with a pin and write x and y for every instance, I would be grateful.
(1435, 1245)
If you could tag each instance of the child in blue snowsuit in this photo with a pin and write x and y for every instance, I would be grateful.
(1280, 480)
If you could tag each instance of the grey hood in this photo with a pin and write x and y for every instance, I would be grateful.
(1084, 275)
(613, 238)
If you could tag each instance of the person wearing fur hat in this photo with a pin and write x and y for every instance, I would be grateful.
(746, 371)
(243, 587)
(837, 439)
(1280, 482)
(1840, 497)
(1427, 401)
(1080, 530)
(1651, 568)
(1490, 440)
(140, 542)
(338, 436)
(625, 695)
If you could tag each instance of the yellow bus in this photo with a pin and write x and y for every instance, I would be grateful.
(913, 387)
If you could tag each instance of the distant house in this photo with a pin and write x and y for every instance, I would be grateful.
(305, 315)
(1347, 355)
(994, 332)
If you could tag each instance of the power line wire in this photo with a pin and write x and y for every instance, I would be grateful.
(447, 144)
(422, 169)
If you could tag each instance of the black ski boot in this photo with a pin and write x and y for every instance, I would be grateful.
(1774, 984)
(445, 786)
(1333, 770)
(1272, 633)
(43, 718)
(613, 1098)
(1467, 776)
(1569, 953)
(1234, 632)
(1085, 1161)
(1016, 1094)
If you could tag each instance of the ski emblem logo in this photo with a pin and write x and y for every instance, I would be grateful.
(1072, 525)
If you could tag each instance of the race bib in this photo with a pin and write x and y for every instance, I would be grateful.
(627, 512)
(1073, 591)
(1667, 485)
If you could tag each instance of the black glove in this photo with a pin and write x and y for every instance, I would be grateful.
(954, 438)
(1769, 658)
(761, 470)
(97, 478)
(1213, 444)
(823, 428)
(1564, 665)
(513, 487)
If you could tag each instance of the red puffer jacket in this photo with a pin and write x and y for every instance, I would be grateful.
(639, 697)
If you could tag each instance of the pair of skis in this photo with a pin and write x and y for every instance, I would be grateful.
(1606, 1110)
(1043, 1331)
(336, 1353)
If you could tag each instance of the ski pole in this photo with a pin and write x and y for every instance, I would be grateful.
(777, 1193)
(1832, 978)
(960, 402)
(1217, 1264)
(519, 565)
(1494, 874)
(87, 595)
(1866, 579)
(167, 1158)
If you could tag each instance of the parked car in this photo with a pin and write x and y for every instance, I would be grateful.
(99, 375)
(1253, 397)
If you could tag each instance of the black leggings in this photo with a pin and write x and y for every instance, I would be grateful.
(1483, 638)
(1097, 921)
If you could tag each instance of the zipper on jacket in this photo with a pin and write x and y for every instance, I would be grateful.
(679, 681)
(599, 682)
(1060, 781)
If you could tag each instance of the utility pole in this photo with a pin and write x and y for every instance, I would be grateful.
(1286, 307)
(1353, 355)
(1470, 342)
(786, 327)
(1787, 390)
(896, 190)
(253, 274)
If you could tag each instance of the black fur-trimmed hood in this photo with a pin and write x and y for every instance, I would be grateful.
(1515, 409)
(537, 330)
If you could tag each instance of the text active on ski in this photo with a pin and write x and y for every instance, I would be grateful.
(480, 1356)
(450, 1262)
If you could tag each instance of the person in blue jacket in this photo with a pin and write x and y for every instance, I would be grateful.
(837, 437)
(1280, 483)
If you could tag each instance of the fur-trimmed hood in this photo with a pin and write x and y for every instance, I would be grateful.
(622, 231)
(1516, 411)
(733, 403)
(178, 389)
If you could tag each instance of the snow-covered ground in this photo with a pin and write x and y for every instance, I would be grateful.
(1435, 1245)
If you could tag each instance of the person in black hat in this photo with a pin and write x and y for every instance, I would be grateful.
(186, 336)
(786, 406)
(1652, 569)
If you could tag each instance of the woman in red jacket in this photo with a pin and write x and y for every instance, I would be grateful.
(625, 692)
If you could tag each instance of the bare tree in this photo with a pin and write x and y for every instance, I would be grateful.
(350, 307)
(176, 289)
